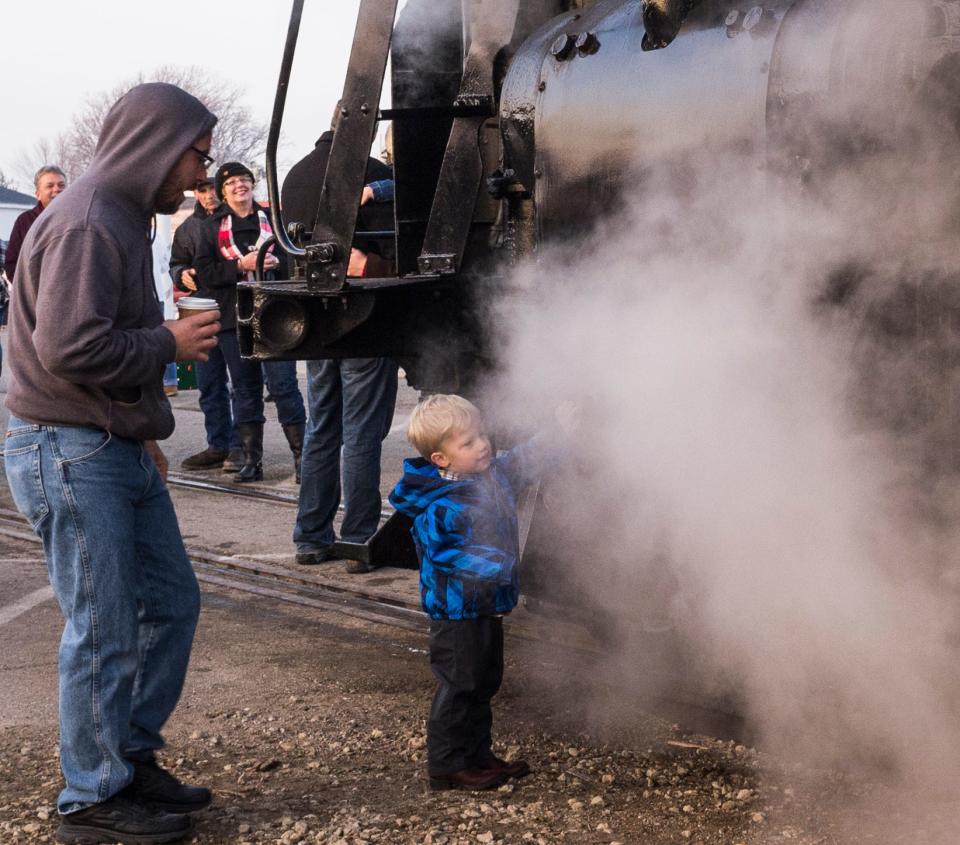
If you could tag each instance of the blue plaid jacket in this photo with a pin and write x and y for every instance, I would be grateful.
(466, 534)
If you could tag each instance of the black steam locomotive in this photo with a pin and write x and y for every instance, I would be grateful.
(521, 123)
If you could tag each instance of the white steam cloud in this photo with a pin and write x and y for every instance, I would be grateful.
(758, 460)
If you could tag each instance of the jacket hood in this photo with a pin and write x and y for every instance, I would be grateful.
(420, 486)
(143, 136)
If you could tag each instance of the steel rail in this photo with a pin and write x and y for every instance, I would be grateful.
(248, 491)
(272, 581)
(355, 607)
(248, 567)
(268, 580)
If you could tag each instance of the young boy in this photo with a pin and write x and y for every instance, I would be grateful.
(462, 500)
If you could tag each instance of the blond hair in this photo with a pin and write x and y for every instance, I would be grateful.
(438, 417)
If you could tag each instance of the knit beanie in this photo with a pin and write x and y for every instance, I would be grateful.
(225, 171)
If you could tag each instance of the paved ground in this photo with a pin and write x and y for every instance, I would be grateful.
(310, 724)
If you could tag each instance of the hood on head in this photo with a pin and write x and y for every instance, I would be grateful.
(143, 136)
(420, 486)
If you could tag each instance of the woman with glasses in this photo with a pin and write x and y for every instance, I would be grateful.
(231, 239)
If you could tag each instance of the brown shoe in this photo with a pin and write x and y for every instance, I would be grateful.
(209, 458)
(517, 769)
(475, 779)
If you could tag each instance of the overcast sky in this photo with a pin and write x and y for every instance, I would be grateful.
(56, 53)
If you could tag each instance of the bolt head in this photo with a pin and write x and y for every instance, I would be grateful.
(753, 17)
(562, 47)
(587, 43)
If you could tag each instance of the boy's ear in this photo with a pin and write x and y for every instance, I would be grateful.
(438, 459)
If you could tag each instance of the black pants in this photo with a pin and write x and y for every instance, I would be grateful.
(466, 657)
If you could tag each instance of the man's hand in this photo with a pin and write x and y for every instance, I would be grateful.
(157, 456)
(188, 279)
(196, 335)
(366, 195)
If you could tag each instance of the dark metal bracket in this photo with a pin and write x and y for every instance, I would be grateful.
(392, 545)
(491, 26)
(329, 251)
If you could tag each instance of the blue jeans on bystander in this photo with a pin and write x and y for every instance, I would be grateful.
(247, 378)
(351, 407)
(117, 565)
(281, 377)
(216, 402)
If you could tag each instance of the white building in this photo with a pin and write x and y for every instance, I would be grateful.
(12, 205)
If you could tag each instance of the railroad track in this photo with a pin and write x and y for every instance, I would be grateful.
(272, 581)
(268, 580)
(247, 491)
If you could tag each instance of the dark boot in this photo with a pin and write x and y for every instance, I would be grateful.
(294, 435)
(514, 769)
(474, 779)
(251, 441)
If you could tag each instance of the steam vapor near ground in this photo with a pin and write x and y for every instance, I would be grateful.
(759, 451)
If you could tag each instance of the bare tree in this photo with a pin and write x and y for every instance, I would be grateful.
(237, 136)
(6, 182)
(45, 151)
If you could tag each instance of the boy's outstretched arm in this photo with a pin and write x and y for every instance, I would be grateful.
(526, 463)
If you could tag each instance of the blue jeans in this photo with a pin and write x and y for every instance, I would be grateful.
(126, 588)
(247, 378)
(351, 406)
(281, 377)
(215, 400)
(170, 375)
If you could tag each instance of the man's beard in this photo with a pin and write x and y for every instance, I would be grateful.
(168, 204)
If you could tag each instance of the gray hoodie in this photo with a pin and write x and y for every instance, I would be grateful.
(87, 344)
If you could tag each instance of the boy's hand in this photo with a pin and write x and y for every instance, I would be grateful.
(568, 416)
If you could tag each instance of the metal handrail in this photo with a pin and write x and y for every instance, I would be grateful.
(276, 119)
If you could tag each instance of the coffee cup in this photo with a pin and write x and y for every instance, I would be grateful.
(189, 305)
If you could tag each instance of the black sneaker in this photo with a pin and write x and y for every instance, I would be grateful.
(156, 787)
(121, 820)
(313, 558)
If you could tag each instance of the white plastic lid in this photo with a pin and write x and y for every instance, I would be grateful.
(197, 303)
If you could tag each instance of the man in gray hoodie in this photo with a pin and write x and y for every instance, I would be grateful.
(89, 346)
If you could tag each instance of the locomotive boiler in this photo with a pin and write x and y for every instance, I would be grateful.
(519, 124)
